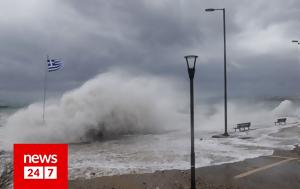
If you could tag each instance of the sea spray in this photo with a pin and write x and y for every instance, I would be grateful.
(117, 103)
(211, 116)
(6, 170)
(285, 109)
(110, 104)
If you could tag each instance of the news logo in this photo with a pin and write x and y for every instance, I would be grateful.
(40, 166)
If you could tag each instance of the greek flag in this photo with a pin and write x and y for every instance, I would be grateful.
(54, 64)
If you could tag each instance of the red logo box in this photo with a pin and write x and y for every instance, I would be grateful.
(40, 166)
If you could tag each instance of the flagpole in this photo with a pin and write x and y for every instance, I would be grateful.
(45, 88)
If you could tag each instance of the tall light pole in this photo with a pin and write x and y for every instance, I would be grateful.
(191, 62)
(225, 68)
(296, 41)
(298, 44)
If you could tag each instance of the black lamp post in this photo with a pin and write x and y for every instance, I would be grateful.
(190, 62)
(296, 41)
(225, 69)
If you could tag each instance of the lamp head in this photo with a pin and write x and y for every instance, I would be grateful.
(191, 61)
(210, 10)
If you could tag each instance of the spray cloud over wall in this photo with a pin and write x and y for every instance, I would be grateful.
(116, 103)
(112, 104)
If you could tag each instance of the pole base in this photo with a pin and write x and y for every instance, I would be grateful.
(221, 136)
(226, 134)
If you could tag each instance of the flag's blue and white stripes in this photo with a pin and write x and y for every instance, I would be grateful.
(54, 64)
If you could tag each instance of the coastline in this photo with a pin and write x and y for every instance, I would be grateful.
(210, 177)
(213, 176)
(207, 177)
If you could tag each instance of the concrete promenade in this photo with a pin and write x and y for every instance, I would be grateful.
(279, 171)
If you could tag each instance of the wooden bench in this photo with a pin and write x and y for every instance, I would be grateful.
(280, 120)
(242, 126)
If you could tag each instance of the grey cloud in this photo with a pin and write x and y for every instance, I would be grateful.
(150, 36)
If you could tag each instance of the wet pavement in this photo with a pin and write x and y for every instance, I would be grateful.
(280, 171)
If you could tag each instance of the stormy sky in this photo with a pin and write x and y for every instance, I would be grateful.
(150, 36)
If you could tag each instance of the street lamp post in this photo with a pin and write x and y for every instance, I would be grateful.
(225, 67)
(298, 43)
(190, 62)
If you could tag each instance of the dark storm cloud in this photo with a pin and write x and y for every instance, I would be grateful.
(150, 36)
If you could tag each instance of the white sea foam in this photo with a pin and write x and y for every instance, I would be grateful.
(148, 153)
